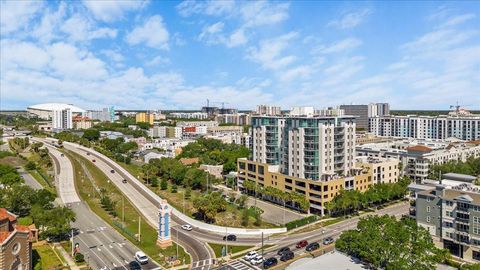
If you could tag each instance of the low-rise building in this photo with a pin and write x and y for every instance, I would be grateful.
(317, 192)
(417, 156)
(384, 170)
(189, 115)
(197, 124)
(80, 122)
(15, 245)
(171, 146)
(215, 170)
(144, 117)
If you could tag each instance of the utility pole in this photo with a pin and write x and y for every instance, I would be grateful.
(284, 211)
(207, 181)
(139, 228)
(183, 202)
(177, 243)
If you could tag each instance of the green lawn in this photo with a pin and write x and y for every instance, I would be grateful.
(46, 257)
(231, 217)
(217, 248)
(42, 181)
(85, 182)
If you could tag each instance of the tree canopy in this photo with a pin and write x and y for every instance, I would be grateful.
(387, 243)
(214, 152)
(470, 167)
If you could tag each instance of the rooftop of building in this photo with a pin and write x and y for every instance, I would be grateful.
(419, 148)
(420, 145)
(56, 106)
(331, 260)
(459, 177)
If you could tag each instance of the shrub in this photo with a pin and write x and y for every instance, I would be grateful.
(301, 222)
(163, 184)
(30, 166)
(174, 188)
(79, 257)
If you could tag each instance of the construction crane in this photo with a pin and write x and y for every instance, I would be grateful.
(458, 106)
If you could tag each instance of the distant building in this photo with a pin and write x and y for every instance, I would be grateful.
(144, 117)
(384, 170)
(62, 119)
(268, 110)
(80, 122)
(105, 115)
(302, 111)
(215, 170)
(461, 125)
(330, 112)
(15, 245)
(240, 119)
(189, 115)
(197, 124)
(226, 134)
(364, 112)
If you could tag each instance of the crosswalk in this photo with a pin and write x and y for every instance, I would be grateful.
(240, 265)
(203, 265)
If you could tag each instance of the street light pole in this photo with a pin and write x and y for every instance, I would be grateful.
(226, 241)
(177, 243)
(139, 228)
(123, 212)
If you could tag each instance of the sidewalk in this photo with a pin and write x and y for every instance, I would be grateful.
(66, 256)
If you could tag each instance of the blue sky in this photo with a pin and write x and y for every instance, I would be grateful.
(175, 55)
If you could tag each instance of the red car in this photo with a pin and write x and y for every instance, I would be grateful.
(93, 160)
(302, 244)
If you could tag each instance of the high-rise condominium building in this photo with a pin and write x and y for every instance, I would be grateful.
(461, 126)
(62, 119)
(316, 148)
(364, 112)
(268, 110)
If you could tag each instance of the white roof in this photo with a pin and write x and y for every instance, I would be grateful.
(56, 106)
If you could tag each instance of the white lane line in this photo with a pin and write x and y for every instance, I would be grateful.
(93, 252)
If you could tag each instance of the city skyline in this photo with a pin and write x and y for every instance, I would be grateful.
(175, 55)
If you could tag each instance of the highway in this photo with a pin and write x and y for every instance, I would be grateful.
(29, 180)
(202, 256)
(102, 245)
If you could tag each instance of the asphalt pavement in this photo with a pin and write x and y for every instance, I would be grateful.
(102, 245)
(29, 180)
(202, 257)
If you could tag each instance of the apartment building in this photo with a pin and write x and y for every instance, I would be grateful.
(197, 124)
(268, 110)
(316, 192)
(240, 119)
(452, 216)
(62, 119)
(80, 122)
(15, 245)
(306, 147)
(384, 170)
(461, 125)
(145, 117)
(417, 156)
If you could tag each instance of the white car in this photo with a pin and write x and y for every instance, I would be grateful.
(250, 255)
(257, 260)
(141, 257)
(187, 227)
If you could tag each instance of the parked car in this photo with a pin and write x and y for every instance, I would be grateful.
(287, 256)
(328, 241)
(93, 160)
(141, 257)
(312, 246)
(112, 171)
(250, 255)
(88, 154)
(187, 227)
(62, 155)
(302, 244)
(124, 181)
(270, 262)
(257, 260)
(134, 265)
(104, 268)
(230, 237)
(283, 250)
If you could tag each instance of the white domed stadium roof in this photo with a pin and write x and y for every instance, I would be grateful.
(56, 106)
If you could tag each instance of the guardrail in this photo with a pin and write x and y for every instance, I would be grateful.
(182, 218)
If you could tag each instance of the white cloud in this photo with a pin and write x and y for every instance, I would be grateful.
(269, 52)
(110, 11)
(259, 13)
(439, 40)
(113, 55)
(350, 20)
(46, 30)
(80, 28)
(458, 20)
(158, 60)
(340, 46)
(16, 15)
(153, 33)
(343, 70)
(21, 55)
(245, 16)
(300, 72)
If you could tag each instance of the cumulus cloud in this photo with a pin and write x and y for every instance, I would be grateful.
(153, 33)
(269, 52)
(110, 11)
(16, 15)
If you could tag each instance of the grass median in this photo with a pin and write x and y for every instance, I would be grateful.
(45, 256)
(91, 183)
(217, 248)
